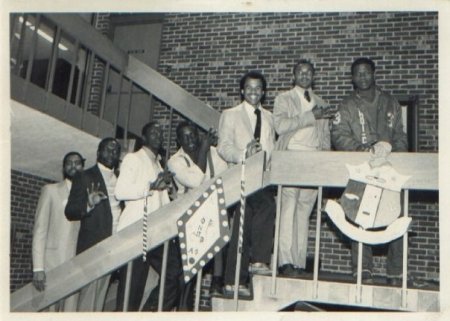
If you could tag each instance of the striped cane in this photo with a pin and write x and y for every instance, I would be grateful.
(144, 231)
(241, 233)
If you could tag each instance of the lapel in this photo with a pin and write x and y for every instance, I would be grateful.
(98, 178)
(244, 117)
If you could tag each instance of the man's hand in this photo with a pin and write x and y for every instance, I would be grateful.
(209, 139)
(163, 181)
(324, 112)
(39, 280)
(95, 196)
(252, 148)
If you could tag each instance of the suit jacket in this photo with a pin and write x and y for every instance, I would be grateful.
(95, 225)
(54, 237)
(137, 171)
(289, 116)
(235, 132)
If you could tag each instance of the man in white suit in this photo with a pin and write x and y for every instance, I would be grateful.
(54, 236)
(143, 185)
(249, 126)
(301, 121)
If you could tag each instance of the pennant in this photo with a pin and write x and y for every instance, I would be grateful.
(203, 230)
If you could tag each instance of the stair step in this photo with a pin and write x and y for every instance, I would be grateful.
(289, 291)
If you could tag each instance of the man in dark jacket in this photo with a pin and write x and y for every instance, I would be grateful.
(367, 116)
(92, 202)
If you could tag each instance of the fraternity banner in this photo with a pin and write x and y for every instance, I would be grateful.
(203, 230)
(370, 201)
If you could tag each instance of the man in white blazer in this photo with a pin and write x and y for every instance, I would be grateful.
(143, 185)
(301, 121)
(249, 126)
(54, 236)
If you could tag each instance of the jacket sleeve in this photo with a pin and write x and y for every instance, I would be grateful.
(188, 176)
(342, 137)
(77, 204)
(284, 122)
(129, 185)
(40, 230)
(226, 145)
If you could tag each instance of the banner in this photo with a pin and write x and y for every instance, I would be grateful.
(203, 230)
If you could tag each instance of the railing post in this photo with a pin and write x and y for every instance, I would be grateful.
(273, 287)
(162, 277)
(126, 296)
(198, 289)
(317, 243)
(359, 274)
(405, 252)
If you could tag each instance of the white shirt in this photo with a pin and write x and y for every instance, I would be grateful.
(188, 175)
(305, 138)
(110, 181)
(265, 126)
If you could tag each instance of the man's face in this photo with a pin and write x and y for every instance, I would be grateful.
(109, 155)
(189, 139)
(72, 165)
(363, 77)
(304, 76)
(153, 137)
(253, 91)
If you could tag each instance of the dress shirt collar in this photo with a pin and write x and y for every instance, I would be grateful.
(105, 169)
(250, 109)
(68, 183)
(301, 91)
(149, 153)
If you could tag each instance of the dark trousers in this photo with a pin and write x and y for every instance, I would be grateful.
(173, 284)
(394, 259)
(258, 235)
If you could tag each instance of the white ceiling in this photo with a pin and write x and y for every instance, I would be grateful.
(39, 142)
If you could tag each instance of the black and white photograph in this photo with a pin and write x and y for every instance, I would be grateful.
(265, 159)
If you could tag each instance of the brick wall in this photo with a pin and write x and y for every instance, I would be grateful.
(25, 191)
(207, 53)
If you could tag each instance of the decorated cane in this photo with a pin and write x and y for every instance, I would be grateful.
(241, 232)
(166, 243)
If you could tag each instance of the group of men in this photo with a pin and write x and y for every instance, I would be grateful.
(100, 202)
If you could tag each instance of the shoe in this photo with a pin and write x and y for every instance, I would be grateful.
(290, 271)
(260, 268)
(396, 281)
(243, 290)
(216, 288)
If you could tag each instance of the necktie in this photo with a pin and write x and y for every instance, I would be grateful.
(257, 133)
(307, 96)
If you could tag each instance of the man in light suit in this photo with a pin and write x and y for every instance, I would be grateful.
(54, 237)
(92, 202)
(301, 121)
(143, 185)
(249, 126)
